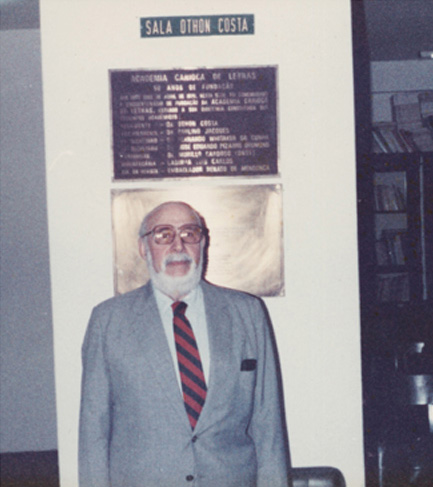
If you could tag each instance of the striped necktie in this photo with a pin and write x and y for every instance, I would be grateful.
(188, 357)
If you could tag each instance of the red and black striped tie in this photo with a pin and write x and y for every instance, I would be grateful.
(191, 371)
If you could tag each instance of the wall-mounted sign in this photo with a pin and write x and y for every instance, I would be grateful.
(194, 122)
(205, 25)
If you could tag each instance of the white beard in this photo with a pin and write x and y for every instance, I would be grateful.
(175, 286)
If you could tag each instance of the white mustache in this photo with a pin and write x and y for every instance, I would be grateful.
(177, 258)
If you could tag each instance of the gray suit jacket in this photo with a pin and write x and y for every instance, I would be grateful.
(134, 430)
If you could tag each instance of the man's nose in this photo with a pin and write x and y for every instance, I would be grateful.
(177, 244)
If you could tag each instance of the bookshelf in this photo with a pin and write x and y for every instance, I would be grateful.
(395, 196)
(397, 210)
(395, 234)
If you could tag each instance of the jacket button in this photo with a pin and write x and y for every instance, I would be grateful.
(194, 438)
(190, 477)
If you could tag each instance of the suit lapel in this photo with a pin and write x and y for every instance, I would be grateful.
(149, 332)
(220, 345)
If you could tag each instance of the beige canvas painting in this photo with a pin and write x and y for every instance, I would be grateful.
(245, 228)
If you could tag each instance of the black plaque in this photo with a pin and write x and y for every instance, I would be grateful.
(194, 122)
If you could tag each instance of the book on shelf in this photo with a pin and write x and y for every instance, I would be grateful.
(426, 104)
(423, 139)
(389, 197)
(391, 248)
(388, 138)
(410, 112)
(379, 142)
(393, 288)
(406, 110)
(426, 108)
(408, 140)
(411, 129)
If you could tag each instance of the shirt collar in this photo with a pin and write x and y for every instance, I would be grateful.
(165, 302)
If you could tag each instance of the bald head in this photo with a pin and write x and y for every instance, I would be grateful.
(153, 217)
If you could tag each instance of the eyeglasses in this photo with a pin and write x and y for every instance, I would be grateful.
(165, 234)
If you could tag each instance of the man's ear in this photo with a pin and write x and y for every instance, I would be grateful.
(142, 248)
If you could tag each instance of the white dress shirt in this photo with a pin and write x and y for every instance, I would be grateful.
(196, 314)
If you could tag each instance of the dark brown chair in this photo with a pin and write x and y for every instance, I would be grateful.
(317, 477)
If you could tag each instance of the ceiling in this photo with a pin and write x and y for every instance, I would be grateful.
(396, 29)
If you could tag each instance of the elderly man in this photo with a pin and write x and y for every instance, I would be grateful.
(180, 385)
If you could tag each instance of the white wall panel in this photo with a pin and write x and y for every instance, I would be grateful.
(317, 321)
